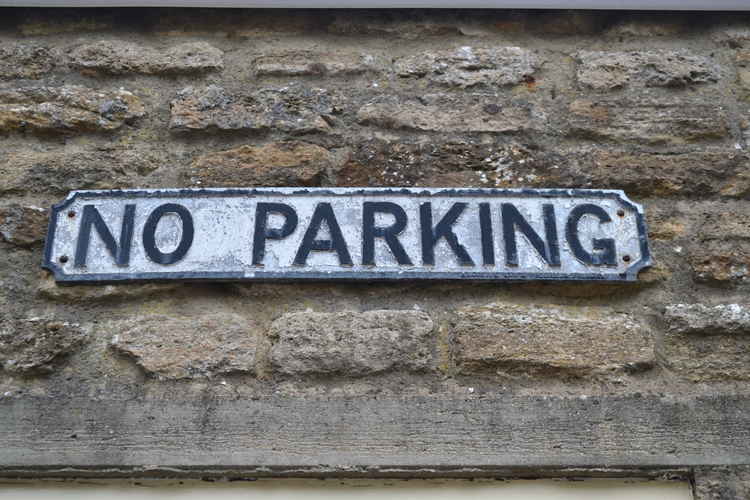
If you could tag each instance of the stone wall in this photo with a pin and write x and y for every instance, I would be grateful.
(655, 104)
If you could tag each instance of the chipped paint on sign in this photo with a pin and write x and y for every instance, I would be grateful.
(346, 233)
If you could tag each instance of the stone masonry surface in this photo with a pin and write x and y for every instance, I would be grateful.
(657, 105)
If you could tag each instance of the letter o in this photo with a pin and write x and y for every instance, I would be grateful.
(149, 234)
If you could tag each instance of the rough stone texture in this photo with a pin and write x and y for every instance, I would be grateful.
(409, 26)
(708, 320)
(33, 344)
(67, 109)
(291, 109)
(614, 70)
(719, 252)
(351, 343)
(721, 261)
(24, 60)
(59, 171)
(705, 349)
(23, 225)
(48, 289)
(118, 57)
(722, 483)
(543, 340)
(275, 164)
(469, 66)
(443, 162)
(310, 63)
(699, 173)
(673, 134)
(650, 121)
(187, 347)
(448, 113)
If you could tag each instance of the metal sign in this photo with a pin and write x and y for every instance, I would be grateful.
(346, 234)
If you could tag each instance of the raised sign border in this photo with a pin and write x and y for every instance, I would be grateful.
(630, 274)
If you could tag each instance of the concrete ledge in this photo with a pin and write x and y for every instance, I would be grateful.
(416, 437)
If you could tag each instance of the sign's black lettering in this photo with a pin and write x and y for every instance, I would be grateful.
(512, 220)
(263, 232)
(389, 234)
(186, 236)
(443, 229)
(323, 213)
(92, 218)
(605, 252)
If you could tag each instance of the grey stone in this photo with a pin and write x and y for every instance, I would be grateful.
(188, 346)
(648, 121)
(705, 358)
(26, 60)
(547, 340)
(409, 26)
(697, 173)
(48, 289)
(310, 63)
(351, 343)
(449, 113)
(59, 171)
(291, 109)
(722, 483)
(470, 66)
(23, 225)
(275, 164)
(723, 319)
(118, 57)
(67, 109)
(721, 262)
(33, 344)
(614, 70)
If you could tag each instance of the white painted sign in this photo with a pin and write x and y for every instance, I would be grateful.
(348, 234)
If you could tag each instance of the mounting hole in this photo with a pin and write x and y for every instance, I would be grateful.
(63, 259)
(626, 258)
(71, 214)
(621, 213)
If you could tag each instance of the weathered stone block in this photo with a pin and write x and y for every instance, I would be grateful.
(719, 252)
(720, 261)
(48, 289)
(543, 340)
(704, 343)
(187, 347)
(615, 70)
(351, 343)
(442, 162)
(275, 164)
(23, 60)
(291, 109)
(410, 25)
(33, 344)
(449, 113)
(67, 109)
(469, 66)
(309, 63)
(699, 173)
(704, 319)
(119, 57)
(648, 121)
(62, 171)
(722, 483)
(241, 24)
(23, 225)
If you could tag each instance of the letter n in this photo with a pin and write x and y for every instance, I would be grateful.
(92, 218)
